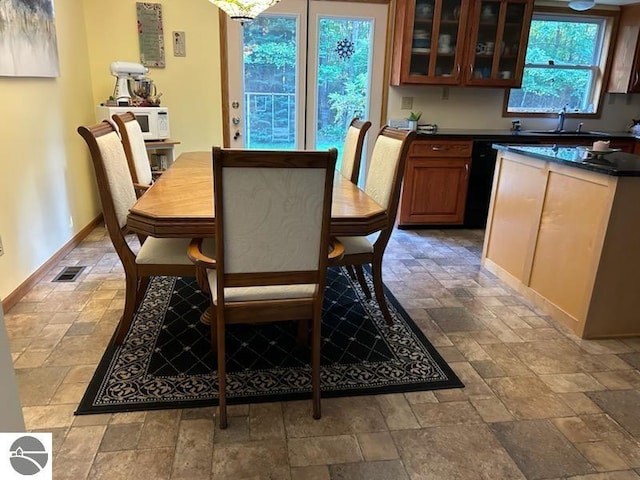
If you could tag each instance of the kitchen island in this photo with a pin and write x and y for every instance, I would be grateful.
(564, 230)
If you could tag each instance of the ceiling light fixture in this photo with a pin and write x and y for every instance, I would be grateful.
(581, 5)
(243, 10)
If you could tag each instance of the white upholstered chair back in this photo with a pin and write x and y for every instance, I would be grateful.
(352, 149)
(118, 176)
(139, 152)
(349, 151)
(272, 218)
(383, 164)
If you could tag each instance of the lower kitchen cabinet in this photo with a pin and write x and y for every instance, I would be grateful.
(435, 182)
(566, 239)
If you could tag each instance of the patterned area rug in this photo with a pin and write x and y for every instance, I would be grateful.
(166, 359)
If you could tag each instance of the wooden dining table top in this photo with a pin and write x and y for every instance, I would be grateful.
(180, 203)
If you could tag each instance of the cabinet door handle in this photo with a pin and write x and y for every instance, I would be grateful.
(466, 169)
(435, 148)
(458, 70)
(635, 80)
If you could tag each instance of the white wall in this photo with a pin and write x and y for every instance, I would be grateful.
(47, 191)
(47, 186)
(190, 85)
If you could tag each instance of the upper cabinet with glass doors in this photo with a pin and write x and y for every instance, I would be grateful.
(460, 42)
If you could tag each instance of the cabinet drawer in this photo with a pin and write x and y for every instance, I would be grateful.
(440, 148)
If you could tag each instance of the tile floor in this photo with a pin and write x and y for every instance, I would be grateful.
(539, 403)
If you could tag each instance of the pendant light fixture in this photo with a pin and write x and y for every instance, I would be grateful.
(243, 10)
(581, 5)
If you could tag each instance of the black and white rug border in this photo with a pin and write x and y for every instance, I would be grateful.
(126, 385)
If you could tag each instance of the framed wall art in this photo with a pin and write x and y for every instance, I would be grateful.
(150, 34)
(28, 46)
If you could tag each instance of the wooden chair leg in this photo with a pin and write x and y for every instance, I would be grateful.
(143, 284)
(376, 269)
(303, 332)
(130, 297)
(209, 313)
(214, 335)
(362, 281)
(315, 360)
(222, 379)
(351, 271)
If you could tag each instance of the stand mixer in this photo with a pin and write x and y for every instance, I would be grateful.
(131, 78)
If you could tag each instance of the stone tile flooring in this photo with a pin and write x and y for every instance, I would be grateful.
(539, 403)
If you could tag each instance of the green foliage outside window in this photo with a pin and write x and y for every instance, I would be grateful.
(561, 65)
(270, 69)
(342, 81)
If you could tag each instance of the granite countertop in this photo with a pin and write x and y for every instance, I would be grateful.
(617, 164)
(524, 134)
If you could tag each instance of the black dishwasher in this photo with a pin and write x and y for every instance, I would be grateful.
(483, 161)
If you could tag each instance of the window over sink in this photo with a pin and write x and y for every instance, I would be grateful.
(565, 63)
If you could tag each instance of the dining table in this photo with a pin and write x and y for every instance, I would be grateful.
(180, 204)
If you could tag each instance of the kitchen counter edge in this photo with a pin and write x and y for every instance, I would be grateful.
(617, 164)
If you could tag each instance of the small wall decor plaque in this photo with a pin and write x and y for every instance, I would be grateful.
(150, 34)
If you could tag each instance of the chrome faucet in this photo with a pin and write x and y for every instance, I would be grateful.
(561, 116)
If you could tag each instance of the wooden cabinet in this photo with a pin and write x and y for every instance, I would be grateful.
(460, 42)
(500, 30)
(565, 238)
(435, 182)
(625, 68)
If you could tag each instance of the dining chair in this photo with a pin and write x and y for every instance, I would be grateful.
(383, 182)
(352, 149)
(135, 150)
(272, 216)
(156, 256)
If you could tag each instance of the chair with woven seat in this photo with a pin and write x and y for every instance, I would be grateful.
(156, 256)
(272, 215)
(383, 182)
(352, 149)
(135, 150)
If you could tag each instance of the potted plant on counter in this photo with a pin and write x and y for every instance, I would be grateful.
(413, 120)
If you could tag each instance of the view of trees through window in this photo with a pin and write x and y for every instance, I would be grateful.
(561, 65)
(270, 76)
(343, 77)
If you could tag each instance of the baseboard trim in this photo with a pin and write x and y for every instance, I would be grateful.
(15, 296)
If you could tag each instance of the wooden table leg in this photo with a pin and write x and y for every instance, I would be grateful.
(201, 277)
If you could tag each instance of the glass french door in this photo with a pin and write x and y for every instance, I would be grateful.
(301, 71)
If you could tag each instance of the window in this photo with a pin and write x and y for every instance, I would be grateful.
(564, 65)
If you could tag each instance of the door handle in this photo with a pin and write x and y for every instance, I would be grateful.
(235, 120)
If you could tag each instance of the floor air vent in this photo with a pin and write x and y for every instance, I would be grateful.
(69, 274)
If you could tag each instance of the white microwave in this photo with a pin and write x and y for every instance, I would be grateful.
(154, 121)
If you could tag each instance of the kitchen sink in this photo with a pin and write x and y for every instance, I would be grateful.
(583, 133)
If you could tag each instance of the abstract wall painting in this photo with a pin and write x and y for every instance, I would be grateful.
(28, 46)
